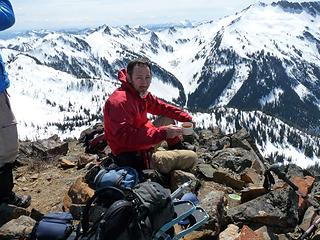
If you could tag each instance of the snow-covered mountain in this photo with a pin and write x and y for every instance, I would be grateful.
(264, 58)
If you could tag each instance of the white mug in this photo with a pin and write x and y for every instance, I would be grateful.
(187, 128)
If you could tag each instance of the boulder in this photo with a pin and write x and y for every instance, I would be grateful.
(235, 159)
(50, 147)
(277, 209)
(213, 202)
(19, 228)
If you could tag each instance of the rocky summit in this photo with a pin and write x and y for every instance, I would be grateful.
(230, 180)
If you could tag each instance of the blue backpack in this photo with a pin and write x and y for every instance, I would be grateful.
(53, 226)
(120, 177)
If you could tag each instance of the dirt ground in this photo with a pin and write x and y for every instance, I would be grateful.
(46, 182)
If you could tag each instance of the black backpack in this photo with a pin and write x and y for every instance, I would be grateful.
(129, 214)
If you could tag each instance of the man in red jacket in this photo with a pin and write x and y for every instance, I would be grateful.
(131, 135)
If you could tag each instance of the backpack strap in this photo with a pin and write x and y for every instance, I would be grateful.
(116, 218)
(110, 193)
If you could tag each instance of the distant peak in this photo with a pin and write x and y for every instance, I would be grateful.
(312, 8)
(140, 29)
(172, 30)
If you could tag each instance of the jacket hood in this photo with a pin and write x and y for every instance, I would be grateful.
(122, 76)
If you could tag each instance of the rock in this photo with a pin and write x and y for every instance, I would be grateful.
(78, 193)
(26, 148)
(240, 143)
(266, 233)
(305, 185)
(250, 175)
(229, 164)
(84, 159)
(230, 233)
(294, 170)
(284, 237)
(235, 159)
(206, 135)
(213, 203)
(50, 147)
(230, 180)
(65, 163)
(247, 233)
(250, 193)
(244, 137)
(17, 228)
(218, 144)
(9, 212)
(206, 170)
(35, 176)
(277, 209)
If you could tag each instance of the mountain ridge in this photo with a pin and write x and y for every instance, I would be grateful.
(248, 61)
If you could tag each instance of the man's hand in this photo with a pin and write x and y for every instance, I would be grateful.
(173, 131)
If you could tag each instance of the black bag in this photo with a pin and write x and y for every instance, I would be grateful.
(94, 139)
(53, 226)
(135, 214)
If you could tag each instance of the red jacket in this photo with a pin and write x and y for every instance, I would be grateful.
(126, 125)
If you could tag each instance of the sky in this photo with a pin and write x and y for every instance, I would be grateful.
(67, 14)
(79, 14)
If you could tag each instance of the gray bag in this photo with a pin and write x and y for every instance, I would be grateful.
(155, 207)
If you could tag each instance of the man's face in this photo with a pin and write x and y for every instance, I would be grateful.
(141, 79)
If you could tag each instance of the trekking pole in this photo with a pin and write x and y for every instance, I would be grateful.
(180, 189)
(310, 230)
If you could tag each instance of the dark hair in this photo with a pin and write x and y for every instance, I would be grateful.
(139, 62)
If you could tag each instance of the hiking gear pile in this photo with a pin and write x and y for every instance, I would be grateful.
(136, 213)
(144, 212)
(132, 210)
